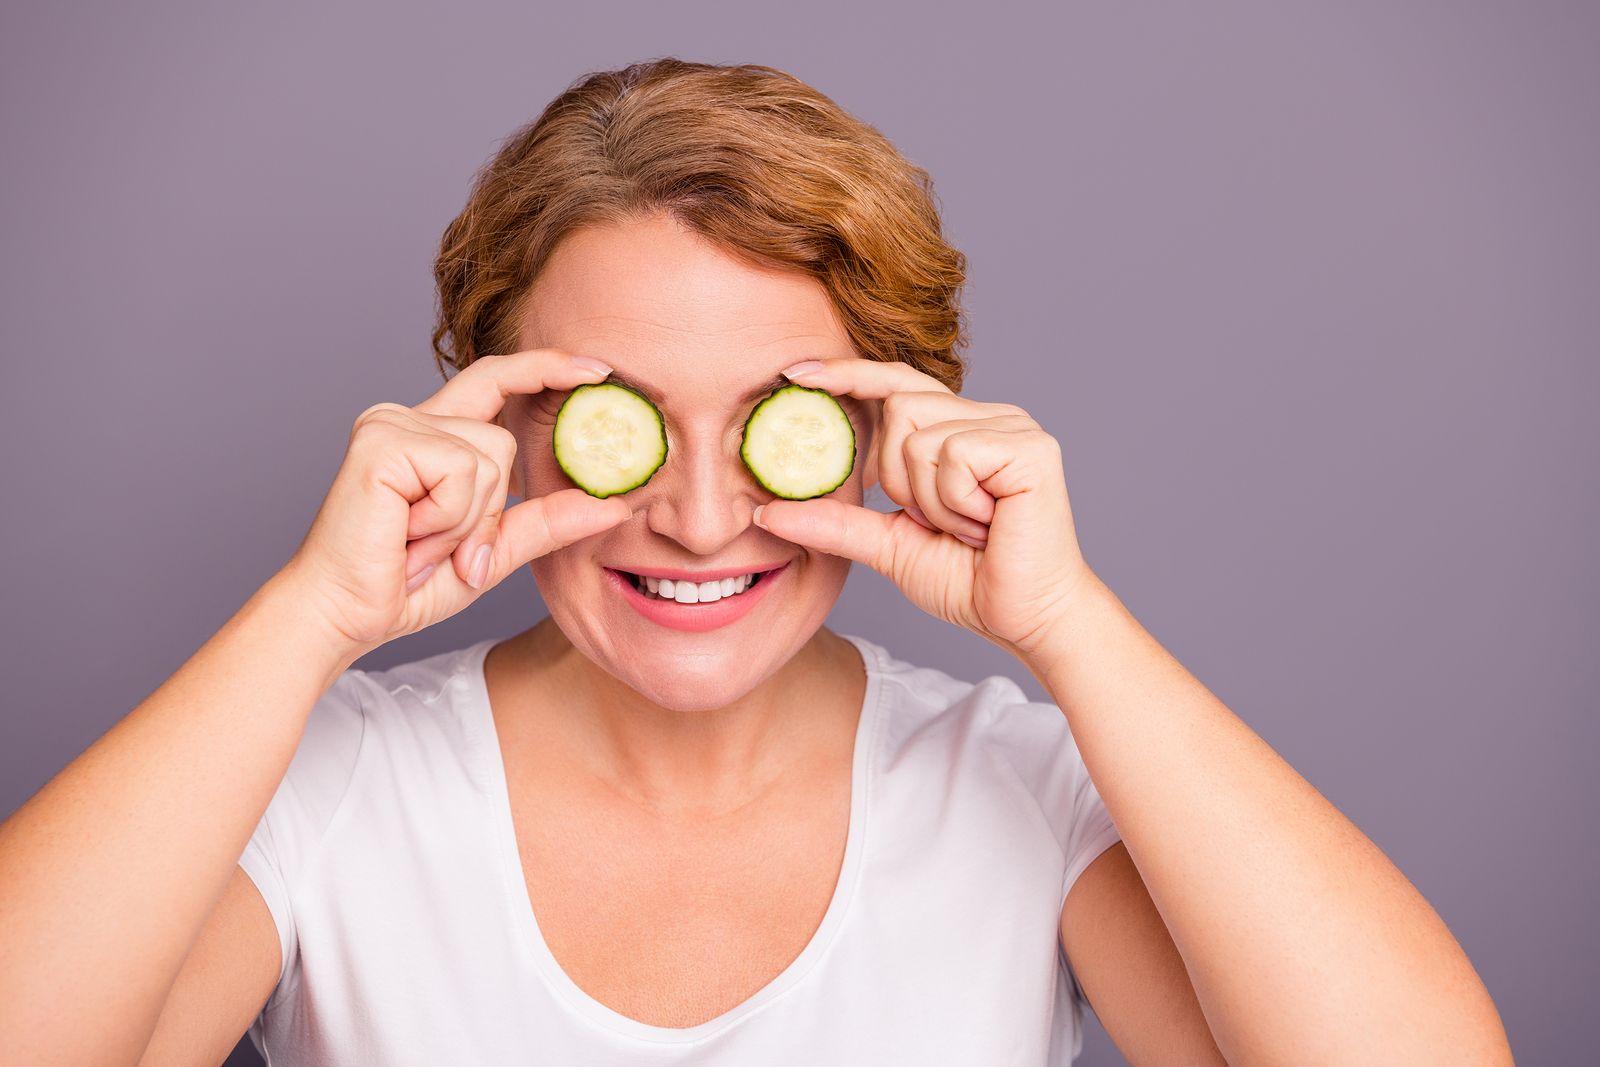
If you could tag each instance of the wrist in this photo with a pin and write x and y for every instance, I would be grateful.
(295, 604)
(1070, 631)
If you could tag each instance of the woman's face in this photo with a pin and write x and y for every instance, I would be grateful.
(704, 336)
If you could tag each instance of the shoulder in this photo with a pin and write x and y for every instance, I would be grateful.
(438, 678)
(987, 730)
(992, 714)
(425, 705)
(983, 747)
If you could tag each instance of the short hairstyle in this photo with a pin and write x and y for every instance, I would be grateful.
(750, 158)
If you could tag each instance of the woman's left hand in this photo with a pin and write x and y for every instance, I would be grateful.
(985, 539)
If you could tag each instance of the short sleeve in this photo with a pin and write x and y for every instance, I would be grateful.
(286, 841)
(1041, 748)
(1090, 833)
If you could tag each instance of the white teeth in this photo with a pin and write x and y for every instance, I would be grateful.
(686, 592)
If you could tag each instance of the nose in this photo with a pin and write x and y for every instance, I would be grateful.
(702, 497)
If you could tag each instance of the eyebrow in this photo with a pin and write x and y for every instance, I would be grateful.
(649, 394)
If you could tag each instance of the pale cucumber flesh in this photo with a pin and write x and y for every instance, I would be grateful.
(799, 443)
(609, 439)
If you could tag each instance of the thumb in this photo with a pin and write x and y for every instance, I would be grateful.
(840, 529)
(535, 527)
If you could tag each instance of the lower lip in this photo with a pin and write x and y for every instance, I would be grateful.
(696, 618)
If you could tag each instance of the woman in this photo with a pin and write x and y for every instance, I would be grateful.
(710, 831)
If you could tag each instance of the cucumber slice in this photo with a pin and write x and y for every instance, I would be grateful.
(609, 439)
(799, 443)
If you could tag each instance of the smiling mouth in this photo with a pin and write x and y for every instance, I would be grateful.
(685, 592)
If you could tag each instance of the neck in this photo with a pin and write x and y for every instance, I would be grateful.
(687, 764)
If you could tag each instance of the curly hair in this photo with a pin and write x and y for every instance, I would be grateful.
(749, 157)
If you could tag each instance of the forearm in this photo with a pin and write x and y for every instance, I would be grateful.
(108, 873)
(1304, 943)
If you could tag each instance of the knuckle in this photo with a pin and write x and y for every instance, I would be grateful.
(459, 467)
(489, 469)
(505, 442)
(958, 443)
(377, 411)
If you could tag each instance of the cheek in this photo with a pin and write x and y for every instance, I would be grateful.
(537, 458)
(865, 475)
(548, 572)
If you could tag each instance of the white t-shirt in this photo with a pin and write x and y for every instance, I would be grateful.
(388, 860)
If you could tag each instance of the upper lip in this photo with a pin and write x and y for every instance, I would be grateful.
(677, 574)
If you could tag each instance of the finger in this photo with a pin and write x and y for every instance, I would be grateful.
(493, 444)
(456, 540)
(435, 473)
(848, 530)
(536, 527)
(1018, 469)
(451, 509)
(1022, 471)
(901, 412)
(906, 413)
(869, 379)
(492, 439)
(922, 460)
(956, 488)
(920, 519)
(497, 451)
(480, 390)
(496, 470)
(483, 520)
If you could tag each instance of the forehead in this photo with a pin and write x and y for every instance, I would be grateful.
(673, 312)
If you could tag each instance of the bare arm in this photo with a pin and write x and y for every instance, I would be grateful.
(109, 872)
(225, 981)
(1130, 971)
(1301, 937)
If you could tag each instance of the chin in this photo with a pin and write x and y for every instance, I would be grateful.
(696, 671)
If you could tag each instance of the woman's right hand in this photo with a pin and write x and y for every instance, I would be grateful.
(422, 489)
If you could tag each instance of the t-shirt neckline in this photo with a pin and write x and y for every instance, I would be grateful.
(529, 940)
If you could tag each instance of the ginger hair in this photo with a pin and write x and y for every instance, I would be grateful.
(750, 158)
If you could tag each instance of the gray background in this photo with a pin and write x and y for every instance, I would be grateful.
(1308, 294)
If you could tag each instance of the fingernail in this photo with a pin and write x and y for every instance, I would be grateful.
(964, 539)
(755, 516)
(420, 577)
(480, 567)
(591, 364)
(916, 514)
(800, 369)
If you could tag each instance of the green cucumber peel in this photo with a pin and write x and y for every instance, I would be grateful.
(609, 439)
(799, 443)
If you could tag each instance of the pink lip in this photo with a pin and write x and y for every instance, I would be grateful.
(696, 618)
